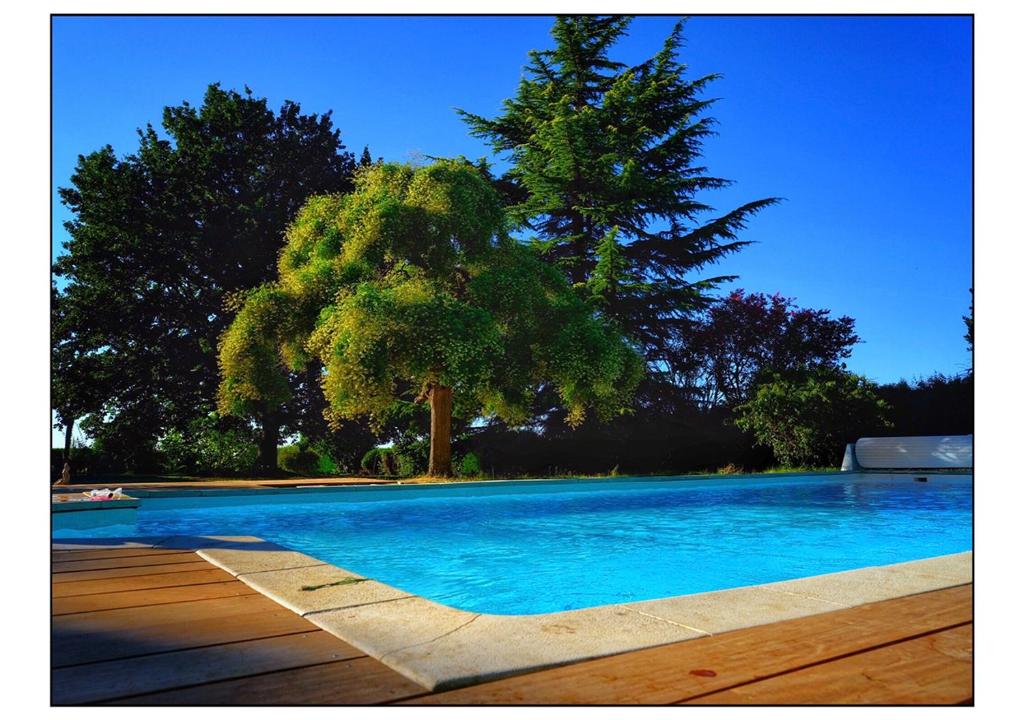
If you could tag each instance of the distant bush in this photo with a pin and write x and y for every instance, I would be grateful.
(209, 446)
(391, 461)
(307, 458)
(380, 461)
(325, 465)
(412, 453)
(807, 418)
(298, 459)
(406, 465)
(469, 465)
(121, 444)
(938, 405)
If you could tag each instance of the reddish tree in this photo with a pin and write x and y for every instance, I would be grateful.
(747, 334)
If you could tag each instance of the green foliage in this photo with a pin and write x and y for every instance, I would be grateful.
(469, 466)
(325, 465)
(604, 168)
(969, 323)
(298, 459)
(365, 159)
(937, 405)
(744, 336)
(808, 417)
(407, 465)
(411, 281)
(307, 458)
(208, 446)
(609, 272)
(248, 347)
(121, 443)
(81, 377)
(160, 240)
(179, 454)
(381, 461)
(412, 447)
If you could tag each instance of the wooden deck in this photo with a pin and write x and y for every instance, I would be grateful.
(164, 627)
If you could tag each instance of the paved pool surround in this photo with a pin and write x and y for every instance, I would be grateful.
(441, 647)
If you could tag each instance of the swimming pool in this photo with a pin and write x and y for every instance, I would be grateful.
(540, 547)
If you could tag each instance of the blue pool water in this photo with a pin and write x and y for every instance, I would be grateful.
(537, 549)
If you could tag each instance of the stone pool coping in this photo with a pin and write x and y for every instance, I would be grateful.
(442, 647)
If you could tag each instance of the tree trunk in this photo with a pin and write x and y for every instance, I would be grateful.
(267, 462)
(68, 429)
(440, 431)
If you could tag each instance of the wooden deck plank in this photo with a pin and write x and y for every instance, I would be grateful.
(933, 669)
(121, 678)
(672, 673)
(130, 632)
(362, 681)
(73, 577)
(65, 555)
(143, 598)
(74, 566)
(207, 574)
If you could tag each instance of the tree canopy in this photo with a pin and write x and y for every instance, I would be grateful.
(605, 170)
(161, 238)
(746, 335)
(409, 288)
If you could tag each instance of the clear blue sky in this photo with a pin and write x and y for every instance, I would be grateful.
(863, 124)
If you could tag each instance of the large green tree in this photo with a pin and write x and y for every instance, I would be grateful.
(605, 171)
(409, 289)
(160, 239)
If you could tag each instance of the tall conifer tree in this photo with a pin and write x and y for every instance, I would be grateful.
(605, 171)
(365, 160)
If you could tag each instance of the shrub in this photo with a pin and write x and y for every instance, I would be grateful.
(380, 461)
(406, 465)
(121, 443)
(938, 405)
(806, 418)
(469, 465)
(209, 446)
(298, 458)
(325, 465)
(179, 456)
(342, 449)
(412, 444)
